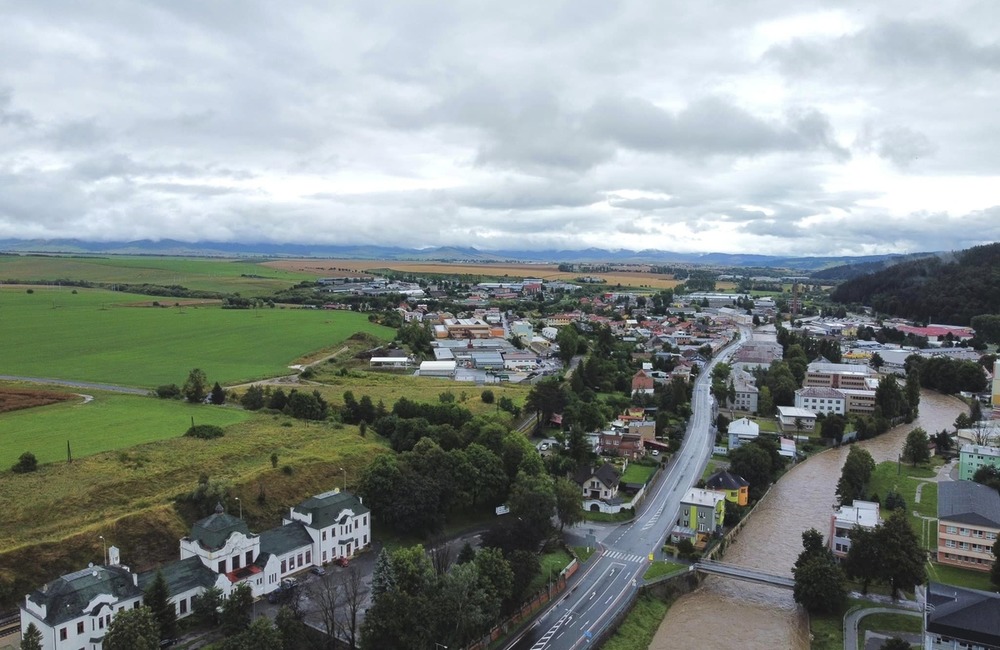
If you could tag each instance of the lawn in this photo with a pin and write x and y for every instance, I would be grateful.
(103, 336)
(551, 564)
(827, 630)
(950, 575)
(638, 629)
(903, 478)
(889, 624)
(636, 473)
(663, 568)
(111, 421)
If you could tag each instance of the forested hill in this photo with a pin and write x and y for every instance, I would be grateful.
(944, 289)
(851, 271)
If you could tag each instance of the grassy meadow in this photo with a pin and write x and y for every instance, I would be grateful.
(227, 276)
(111, 421)
(109, 337)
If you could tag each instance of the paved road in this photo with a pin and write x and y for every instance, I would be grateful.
(616, 572)
(131, 390)
(853, 619)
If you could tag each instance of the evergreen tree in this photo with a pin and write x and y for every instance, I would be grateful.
(32, 639)
(253, 398)
(196, 387)
(383, 578)
(467, 554)
(854, 477)
(236, 610)
(157, 599)
(995, 569)
(819, 582)
(863, 560)
(218, 396)
(205, 607)
(915, 449)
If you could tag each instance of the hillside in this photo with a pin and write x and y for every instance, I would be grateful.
(859, 268)
(948, 288)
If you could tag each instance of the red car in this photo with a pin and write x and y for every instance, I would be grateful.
(341, 561)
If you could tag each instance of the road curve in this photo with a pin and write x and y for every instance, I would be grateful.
(853, 619)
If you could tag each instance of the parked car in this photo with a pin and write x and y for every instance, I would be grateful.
(283, 592)
(341, 561)
(656, 452)
(318, 570)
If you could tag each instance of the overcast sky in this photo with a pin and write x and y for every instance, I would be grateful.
(771, 126)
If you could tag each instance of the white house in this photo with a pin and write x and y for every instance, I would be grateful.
(791, 418)
(745, 393)
(336, 522)
(845, 518)
(821, 400)
(741, 432)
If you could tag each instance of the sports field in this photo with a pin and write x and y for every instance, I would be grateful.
(104, 336)
(110, 421)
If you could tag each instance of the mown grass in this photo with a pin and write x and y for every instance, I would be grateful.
(638, 629)
(663, 568)
(111, 421)
(636, 473)
(219, 275)
(583, 553)
(827, 630)
(903, 478)
(951, 575)
(551, 564)
(96, 335)
(889, 624)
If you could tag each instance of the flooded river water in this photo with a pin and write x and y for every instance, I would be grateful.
(725, 613)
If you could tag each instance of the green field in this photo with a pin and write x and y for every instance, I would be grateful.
(636, 473)
(103, 336)
(108, 422)
(902, 478)
(226, 276)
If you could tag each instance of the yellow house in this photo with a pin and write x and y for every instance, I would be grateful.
(736, 488)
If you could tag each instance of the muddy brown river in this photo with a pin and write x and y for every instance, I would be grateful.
(727, 614)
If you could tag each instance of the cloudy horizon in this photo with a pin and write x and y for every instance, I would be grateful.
(773, 128)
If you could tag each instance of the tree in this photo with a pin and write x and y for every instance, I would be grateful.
(260, 635)
(568, 340)
(132, 629)
(196, 387)
(863, 560)
(218, 395)
(236, 609)
(819, 582)
(854, 477)
(32, 639)
(25, 463)
(205, 607)
(533, 500)
(876, 361)
(834, 426)
(253, 398)
(915, 449)
(943, 442)
(290, 627)
(487, 396)
(157, 599)
(569, 505)
(902, 558)
(752, 462)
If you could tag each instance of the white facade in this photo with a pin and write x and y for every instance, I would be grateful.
(336, 522)
(821, 400)
(845, 518)
(741, 432)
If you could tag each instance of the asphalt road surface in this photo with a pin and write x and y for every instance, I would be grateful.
(615, 572)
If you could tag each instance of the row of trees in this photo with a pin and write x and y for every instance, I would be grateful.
(946, 375)
(296, 404)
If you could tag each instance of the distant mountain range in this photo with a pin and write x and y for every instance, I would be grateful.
(451, 254)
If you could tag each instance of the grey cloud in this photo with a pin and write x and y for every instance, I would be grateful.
(899, 144)
(9, 116)
(641, 204)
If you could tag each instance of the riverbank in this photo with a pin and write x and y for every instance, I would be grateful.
(724, 613)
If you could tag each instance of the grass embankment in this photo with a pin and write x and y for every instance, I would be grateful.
(551, 564)
(638, 629)
(102, 336)
(827, 630)
(663, 568)
(890, 624)
(53, 517)
(967, 578)
(110, 421)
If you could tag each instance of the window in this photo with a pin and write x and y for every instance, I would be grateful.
(299, 563)
(79, 627)
(308, 557)
(184, 606)
(324, 557)
(284, 566)
(963, 531)
(249, 558)
(63, 634)
(236, 562)
(222, 566)
(951, 529)
(324, 535)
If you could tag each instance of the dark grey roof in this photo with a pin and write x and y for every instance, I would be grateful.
(966, 614)
(970, 503)
(65, 597)
(181, 575)
(605, 473)
(283, 539)
(328, 508)
(725, 480)
(213, 531)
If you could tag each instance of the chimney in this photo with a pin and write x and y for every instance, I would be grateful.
(114, 556)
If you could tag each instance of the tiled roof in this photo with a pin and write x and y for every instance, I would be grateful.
(65, 597)
(329, 508)
(284, 539)
(181, 575)
(968, 615)
(725, 480)
(213, 531)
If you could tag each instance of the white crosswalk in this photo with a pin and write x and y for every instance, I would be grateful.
(625, 557)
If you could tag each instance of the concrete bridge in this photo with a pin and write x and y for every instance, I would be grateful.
(742, 573)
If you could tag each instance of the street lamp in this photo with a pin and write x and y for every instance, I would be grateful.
(241, 507)
(345, 478)
(440, 645)
(104, 544)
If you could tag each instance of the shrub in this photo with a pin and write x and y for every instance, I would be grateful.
(31, 291)
(287, 469)
(168, 391)
(205, 431)
(487, 396)
(26, 463)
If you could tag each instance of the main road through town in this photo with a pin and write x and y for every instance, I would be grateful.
(597, 593)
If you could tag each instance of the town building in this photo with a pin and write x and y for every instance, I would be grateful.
(956, 618)
(745, 392)
(837, 375)
(736, 488)
(821, 400)
(701, 515)
(796, 419)
(642, 384)
(843, 520)
(742, 431)
(599, 488)
(972, 457)
(968, 524)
